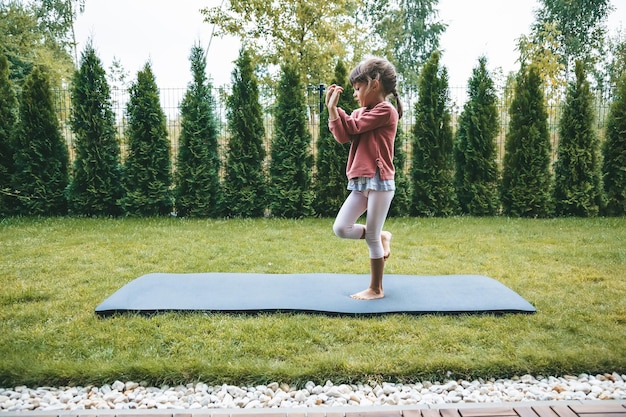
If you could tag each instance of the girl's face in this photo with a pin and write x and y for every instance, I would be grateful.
(367, 95)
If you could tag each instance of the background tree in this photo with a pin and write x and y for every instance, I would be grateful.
(95, 189)
(407, 31)
(580, 30)
(615, 60)
(307, 34)
(614, 153)
(197, 191)
(476, 174)
(39, 33)
(526, 178)
(330, 175)
(8, 120)
(19, 39)
(245, 179)
(432, 167)
(541, 50)
(41, 158)
(56, 18)
(119, 79)
(577, 178)
(291, 160)
(147, 174)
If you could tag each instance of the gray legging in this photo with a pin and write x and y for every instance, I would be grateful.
(377, 204)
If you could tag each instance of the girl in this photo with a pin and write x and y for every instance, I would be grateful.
(371, 129)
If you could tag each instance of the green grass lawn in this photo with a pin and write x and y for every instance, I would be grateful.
(56, 271)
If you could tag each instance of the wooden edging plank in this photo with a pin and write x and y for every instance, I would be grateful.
(583, 410)
(449, 412)
(488, 412)
(525, 412)
(430, 413)
(564, 411)
(390, 413)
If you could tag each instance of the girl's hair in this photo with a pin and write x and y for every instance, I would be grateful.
(378, 69)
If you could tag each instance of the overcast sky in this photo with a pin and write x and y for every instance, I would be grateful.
(163, 32)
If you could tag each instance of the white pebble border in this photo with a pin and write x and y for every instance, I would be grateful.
(136, 396)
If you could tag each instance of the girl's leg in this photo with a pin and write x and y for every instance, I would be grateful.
(378, 205)
(345, 224)
(377, 209)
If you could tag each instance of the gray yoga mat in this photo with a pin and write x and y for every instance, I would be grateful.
(312, 293)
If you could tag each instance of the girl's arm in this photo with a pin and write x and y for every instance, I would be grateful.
(346, 128)
(379, 115)
(332, 98)
(336, 115)
(338, 128)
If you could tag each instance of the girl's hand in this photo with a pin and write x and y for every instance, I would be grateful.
(332, 98)
(332, 95)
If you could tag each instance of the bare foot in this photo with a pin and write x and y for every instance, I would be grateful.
(368, 294)
(385, 238)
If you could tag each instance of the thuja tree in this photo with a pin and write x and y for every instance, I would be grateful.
(147, 169)
(41, 158)
(476, 174)
(577, 176)
(245, 179)
(8, 120)
(291, 160)
(401, 203)
(614, 153)
(330, 174)
(432, 168)
(197, 191)
(95, 189)
(526, 179)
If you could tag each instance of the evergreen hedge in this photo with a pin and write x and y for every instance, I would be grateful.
(614, 153)
(291, 162)
(577, 176)
(432, 168)
(41, 155)
(197, 190)
(8, 122)
(147, 173)
(526, 178)
(401, 203)
(245, 179)
(95, 188)
(476, 174)
(330, 180)
(446, 175)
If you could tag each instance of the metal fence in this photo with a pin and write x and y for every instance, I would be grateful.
(171, 99)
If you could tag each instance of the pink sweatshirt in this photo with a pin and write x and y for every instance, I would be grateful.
(372, 133)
